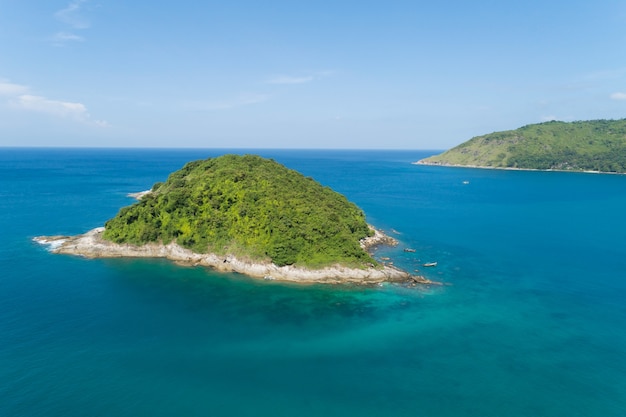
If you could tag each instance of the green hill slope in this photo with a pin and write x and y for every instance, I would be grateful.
(598, 145)
(250, 207)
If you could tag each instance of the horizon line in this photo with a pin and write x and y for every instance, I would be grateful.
(212, 148)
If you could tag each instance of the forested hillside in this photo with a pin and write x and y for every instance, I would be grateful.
(247, 206)
(598, 145)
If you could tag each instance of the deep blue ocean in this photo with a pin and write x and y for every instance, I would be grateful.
(531, 321)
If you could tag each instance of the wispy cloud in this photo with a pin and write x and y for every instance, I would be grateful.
(298, 79)
(607, 74)
(11, 89)
(62, 37)
(238, 101)
(618, 96)
(72, 15)
(44, 105)
(20, 97)
(285, 79)
(58, 108)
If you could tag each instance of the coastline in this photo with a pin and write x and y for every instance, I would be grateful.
(91, 245)
(422, 162)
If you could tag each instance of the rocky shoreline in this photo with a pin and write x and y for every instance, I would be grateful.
(91, 245)
(449, 165)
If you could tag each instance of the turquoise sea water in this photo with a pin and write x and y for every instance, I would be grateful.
(531, 323)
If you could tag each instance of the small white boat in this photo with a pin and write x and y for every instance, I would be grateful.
(429, 264)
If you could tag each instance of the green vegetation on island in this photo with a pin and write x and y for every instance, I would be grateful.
(597, 145)
(249, 207)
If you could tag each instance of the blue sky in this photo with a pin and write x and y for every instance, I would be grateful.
(289, 74)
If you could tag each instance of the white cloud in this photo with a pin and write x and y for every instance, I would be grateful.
(20, 97)
(10, 89)
(62, 37)
(618, 96)
(284, 79)
(72, 15)
(608, 74)
(239, 101)
(44, 105)
(302, 79)
(65, 109)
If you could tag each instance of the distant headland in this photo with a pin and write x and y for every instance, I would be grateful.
(583, 146)
(244, 214)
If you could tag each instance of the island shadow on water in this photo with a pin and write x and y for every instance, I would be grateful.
(237, 298)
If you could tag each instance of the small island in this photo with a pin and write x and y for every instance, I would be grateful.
(588, 146)
(244, 214)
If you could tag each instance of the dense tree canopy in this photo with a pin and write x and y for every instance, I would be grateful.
(247, 206)
(597, 145)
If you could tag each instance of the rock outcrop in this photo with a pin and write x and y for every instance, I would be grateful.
(91, 245)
